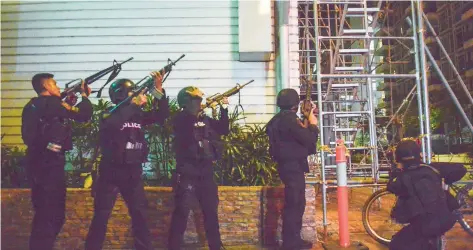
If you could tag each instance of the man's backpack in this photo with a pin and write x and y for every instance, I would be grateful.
(452, 203)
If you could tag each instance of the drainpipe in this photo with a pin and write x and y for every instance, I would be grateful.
(282, 50)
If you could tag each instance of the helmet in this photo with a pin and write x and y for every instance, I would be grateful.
(287, 98)
(407, 151)
(187, 93)
(119, 90)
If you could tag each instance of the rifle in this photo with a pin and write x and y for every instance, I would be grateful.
(148, 83)
(306, 106)
(212, 101)
(115, 69)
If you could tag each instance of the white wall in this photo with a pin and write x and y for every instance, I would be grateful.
(76, 39)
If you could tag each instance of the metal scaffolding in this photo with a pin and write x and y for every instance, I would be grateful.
(343, 51)
(351, 52)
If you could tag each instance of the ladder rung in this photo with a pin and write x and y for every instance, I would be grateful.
(362, 10)
(357, 148)
(345, 129)
(334, 143)
(348, 85)
(357, 31)
(330, 166)
(347, 115)
(353, 51)
(354, 15)
(355, 68)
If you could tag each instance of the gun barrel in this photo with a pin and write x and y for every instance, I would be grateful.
(246, 84)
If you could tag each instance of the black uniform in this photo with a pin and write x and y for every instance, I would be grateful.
(124, 149)
(290, 144)
(196, 147)
(48, 137)
(423, 204)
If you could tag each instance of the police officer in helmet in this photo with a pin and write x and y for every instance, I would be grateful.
(196, 147)
(124, 150)
(421, 200)
(47, 135)
(290, 145)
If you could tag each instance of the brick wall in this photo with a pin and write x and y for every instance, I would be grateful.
(247, 215)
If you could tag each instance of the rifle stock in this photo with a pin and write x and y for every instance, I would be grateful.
(89, 80)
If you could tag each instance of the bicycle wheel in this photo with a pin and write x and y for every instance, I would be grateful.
(465, 212)
(380, 226)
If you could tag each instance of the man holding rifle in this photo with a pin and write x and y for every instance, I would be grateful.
(291, 142)
(47, 137)
(196, 147)
(124, 149)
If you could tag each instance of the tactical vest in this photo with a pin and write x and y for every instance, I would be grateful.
(126, 144)
(272, 130)
(210, 146)
(39, 132)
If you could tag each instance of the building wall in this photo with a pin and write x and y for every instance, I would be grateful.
(77, 39)
(247, 216)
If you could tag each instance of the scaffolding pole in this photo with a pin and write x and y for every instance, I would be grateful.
(425, 94)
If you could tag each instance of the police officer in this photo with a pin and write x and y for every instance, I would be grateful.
(47, 136)
(196, 147)
(422, 201)
(290, 145)
(124, 149)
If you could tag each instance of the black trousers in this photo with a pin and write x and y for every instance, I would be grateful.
(423, 233)
(127, 180)
(48, 195)
(294, 206)
(205, 190)
(409, 238)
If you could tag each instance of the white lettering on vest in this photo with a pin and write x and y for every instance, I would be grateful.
(130, 125)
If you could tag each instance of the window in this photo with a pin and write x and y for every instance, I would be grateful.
(459, 37)
(445, 39)
(461, 59)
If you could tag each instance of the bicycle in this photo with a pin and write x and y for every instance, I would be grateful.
(463, 192)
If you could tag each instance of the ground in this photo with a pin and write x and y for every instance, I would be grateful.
(457, 239)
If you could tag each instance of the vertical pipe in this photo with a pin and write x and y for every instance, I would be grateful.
(417, 80)
(321, 125)
(283, 48)
(372, 116)
(425, 93)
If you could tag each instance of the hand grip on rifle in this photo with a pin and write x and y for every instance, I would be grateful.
(148, 82)
(115, 69)
(219, 97)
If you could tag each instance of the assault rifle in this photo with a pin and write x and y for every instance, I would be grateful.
(307, 106)
(148, 83)
(211, 101)
(115, 69)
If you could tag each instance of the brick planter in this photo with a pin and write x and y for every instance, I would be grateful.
(247, 215)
